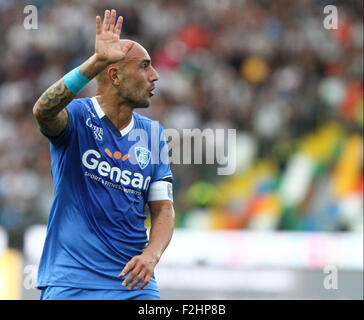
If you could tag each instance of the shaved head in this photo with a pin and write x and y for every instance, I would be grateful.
(130, 79)
(136, 53)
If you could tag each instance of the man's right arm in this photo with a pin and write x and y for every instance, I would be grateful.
(49, 110)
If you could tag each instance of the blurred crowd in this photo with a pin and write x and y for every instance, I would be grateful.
(270, 69)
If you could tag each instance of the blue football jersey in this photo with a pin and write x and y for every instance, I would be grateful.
(101, 179)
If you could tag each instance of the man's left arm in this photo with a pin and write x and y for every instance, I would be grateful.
(141, 267)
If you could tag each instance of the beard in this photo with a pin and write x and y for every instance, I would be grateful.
(135, 98)
(139, 103)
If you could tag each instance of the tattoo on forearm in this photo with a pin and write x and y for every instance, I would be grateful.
(50, 109)
(53, 100)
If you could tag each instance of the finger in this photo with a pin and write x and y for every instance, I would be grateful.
(130, 265)
(138, 278)
(119, 25)
(106, 23)
(145, 282)
(112, 20)
(98, 25)
(130, 277)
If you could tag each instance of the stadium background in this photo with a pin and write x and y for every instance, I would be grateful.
(293, 210)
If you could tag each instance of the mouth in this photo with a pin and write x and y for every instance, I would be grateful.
(150, 91)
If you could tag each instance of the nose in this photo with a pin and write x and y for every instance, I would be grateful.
(154, 75)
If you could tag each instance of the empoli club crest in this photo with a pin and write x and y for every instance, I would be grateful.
(142, 156)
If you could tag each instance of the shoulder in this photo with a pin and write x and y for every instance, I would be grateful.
(141, 119)
(146, 122)
(80, 107)
(82, 103)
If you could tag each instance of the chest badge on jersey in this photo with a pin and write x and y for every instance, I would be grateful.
(142, 156)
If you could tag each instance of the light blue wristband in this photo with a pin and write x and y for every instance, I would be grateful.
(75, 80)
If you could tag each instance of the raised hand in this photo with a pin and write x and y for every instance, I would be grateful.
(108, 47)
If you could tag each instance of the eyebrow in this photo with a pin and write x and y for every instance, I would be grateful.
(146, 60)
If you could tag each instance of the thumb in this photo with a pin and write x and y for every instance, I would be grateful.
(126, 47)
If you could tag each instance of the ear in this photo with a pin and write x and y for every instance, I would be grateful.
(112, 73)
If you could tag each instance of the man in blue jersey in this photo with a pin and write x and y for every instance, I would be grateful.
(107, 163)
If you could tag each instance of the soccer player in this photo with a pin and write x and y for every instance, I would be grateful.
(107, 163)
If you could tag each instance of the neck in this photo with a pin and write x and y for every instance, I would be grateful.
(119, 112)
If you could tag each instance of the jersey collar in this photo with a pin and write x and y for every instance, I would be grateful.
(101, 114)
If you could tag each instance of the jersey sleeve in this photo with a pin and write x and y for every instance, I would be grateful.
(161, 184)
(162, 170)
(73, 109)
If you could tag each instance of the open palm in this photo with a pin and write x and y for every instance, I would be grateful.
(108, 46)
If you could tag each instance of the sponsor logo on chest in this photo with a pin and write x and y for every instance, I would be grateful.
(91, 159)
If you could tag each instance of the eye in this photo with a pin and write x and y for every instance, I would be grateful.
(145, 64)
